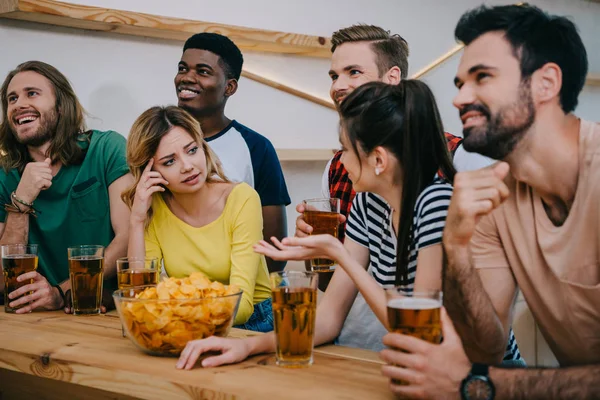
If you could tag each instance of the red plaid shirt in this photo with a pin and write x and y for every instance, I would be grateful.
(340, 186)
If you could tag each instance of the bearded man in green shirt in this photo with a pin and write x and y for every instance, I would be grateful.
(60, 184)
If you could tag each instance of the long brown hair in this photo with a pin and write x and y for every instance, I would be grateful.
(70, 114)
(404, 119)
(145, 136)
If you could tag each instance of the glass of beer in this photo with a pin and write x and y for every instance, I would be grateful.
(136, 271)
(324, 217)
(17, 259)
(86, 269)
(294, 312)
(415, 313)
(133, 271)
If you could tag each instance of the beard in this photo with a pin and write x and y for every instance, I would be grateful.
(45, 132)
(498, 137)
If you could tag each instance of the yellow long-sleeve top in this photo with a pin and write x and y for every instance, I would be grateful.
(221, 249)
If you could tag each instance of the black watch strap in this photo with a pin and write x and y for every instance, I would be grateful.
(62, 294)
(480, 369)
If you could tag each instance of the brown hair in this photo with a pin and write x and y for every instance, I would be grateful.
(390, 50)
(145, 136)
(70, 123)
(404, 119)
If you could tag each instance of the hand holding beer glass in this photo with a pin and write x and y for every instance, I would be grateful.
(323, 215)
(86, 270)
(415, 314)
(17, 259)
(294, 315)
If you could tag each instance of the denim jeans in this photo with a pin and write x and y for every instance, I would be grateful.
(261, 319)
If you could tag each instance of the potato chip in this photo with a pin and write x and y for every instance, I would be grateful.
(187, 290)
(179, 310)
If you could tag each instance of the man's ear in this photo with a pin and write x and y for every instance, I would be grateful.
(393, 76)
(546, 83)
(231, 87)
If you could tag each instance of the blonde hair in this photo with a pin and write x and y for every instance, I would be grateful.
(145, 136)
(390, 50)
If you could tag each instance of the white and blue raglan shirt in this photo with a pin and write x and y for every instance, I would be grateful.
(249, 157)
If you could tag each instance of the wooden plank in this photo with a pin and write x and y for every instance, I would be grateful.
(90, 352)
(350, 353)
(438, 61)
(141, 24)
(24, 387)
(288, 89)
(593, 79)
(7, 6)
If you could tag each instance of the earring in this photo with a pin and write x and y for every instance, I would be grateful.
(377, 172)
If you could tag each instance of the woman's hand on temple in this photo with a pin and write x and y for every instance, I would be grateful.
(149, 183)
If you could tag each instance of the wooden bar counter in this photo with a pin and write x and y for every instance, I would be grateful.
(50, 355)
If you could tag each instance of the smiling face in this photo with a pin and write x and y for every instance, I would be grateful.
(494, 103)
(200, 83)
(31, 111)
(181, 161)
(352, 64)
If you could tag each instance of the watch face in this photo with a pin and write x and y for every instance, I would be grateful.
(479, 388)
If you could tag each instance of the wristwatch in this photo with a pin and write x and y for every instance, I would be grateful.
(477, 385)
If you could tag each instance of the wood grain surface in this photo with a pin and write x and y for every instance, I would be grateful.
(87, 357)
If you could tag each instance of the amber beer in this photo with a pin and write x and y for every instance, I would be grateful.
(294, 314)
(14, 265)
(130, 278)
(323, 216)
(86, 269)
(415, 316)
(135, 272)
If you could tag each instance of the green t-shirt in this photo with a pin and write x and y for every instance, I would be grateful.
(75, 210)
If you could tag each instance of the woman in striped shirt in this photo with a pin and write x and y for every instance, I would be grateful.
(395, 152)
(396, 155)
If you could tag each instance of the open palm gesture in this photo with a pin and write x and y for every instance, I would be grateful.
(305, 248)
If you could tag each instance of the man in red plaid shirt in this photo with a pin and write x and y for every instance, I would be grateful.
(361, 54)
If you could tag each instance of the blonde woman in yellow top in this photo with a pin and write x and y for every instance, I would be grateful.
(185, 211)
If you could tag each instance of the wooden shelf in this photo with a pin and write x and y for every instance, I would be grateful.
(288, 89)
(593, 80)
(305, 154)
(139, 24)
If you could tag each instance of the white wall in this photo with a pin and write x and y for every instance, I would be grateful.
(117, 77)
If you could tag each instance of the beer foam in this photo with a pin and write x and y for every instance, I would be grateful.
(19, 256)
(411, 303)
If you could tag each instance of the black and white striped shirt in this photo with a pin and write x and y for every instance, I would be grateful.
(370, 225)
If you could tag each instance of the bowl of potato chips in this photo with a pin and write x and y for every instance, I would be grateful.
(160, 319)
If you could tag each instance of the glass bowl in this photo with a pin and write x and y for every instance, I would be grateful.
(163, 327)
